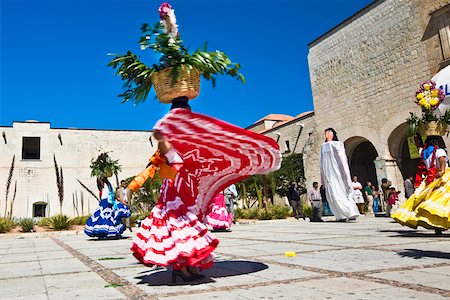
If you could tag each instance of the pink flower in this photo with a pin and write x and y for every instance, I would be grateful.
(164, 10)
(168, 19)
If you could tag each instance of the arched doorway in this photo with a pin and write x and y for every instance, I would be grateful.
(399, 150)
(39, 209)
(361, 156)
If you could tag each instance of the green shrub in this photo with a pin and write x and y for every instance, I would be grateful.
(6, 225)
(264, 214)
(57, 222)
(306, 209)
(42, 222)
(27, 224)
(138, 217)
(268, 213)
(81, 220)
(281, 211)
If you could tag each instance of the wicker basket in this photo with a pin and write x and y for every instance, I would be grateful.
(188, 84)
(432, 128)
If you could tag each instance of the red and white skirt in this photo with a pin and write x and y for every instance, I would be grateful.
(173, 236)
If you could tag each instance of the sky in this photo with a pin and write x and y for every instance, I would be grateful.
(53, 57)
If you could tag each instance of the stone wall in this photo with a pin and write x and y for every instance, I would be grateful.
(36, 179)
(364, 74)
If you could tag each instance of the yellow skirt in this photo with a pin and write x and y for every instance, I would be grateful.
(428, 207)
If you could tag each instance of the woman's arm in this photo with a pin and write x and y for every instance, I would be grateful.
(163, 145)
(442, 164)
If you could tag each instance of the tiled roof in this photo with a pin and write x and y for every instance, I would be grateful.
(276, 117)
(287, 121)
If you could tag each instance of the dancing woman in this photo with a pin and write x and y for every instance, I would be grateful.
(106, 220)
(198, 157)
(219, 218)
(429, 206)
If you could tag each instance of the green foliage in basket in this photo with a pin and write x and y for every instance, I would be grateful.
(163, 38)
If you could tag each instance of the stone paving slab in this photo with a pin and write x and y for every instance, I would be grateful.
(86, 285)
(367, 259)
(432, 277)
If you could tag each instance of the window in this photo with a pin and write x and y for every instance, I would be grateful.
(444, 34)
(288, 148)
(31, 148)
(39, 209)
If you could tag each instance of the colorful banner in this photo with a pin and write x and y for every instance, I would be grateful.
(413, 151)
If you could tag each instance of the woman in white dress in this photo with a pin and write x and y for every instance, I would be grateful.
(336, 179)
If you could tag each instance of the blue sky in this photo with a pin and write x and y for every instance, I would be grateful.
(54, 55)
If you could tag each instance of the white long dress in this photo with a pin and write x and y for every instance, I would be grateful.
(336, 180)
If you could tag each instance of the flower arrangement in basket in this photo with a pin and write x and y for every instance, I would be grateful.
(178, 72)
(428, 97)
(104, 166)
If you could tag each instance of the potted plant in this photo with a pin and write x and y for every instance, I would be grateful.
(428, 97)
(178, 72)
(103, 166)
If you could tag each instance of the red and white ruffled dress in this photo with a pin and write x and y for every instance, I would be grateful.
(214, 155)
(219, 218)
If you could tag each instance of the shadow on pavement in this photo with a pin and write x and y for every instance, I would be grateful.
(94, 239)
(221, 269)
(414, 233)
(417, 254)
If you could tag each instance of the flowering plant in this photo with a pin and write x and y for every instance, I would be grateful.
(428, 96)
(164, 38)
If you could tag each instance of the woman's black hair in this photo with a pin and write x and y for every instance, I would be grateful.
(335, 138)
(180, 102)
(432, 141)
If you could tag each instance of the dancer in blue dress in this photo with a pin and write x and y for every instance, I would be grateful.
(106, 221)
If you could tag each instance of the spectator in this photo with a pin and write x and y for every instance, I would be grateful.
(385, 184)
(316, 203)
(369, 195)
(393, 198)
(326, 207)
(409, 186)
(294, 200)
(357, 195)
(376, 199)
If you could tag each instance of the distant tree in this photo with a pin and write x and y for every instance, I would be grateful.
(146, 197)
(263, 187)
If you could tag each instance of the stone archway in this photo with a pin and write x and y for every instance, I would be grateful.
(361, 157)
(399, 150)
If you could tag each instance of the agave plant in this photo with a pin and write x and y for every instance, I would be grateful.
(57, 222)
(164, 39)
(27, 224)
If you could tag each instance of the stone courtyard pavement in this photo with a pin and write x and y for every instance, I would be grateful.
(368, 259)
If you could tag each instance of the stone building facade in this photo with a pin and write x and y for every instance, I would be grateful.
(34, 144)
(364, 73)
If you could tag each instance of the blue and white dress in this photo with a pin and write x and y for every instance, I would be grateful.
(106, 221)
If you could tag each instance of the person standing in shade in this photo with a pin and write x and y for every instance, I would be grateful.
(357, 194)
(326, 207)
(385, 184)
(409, 186)
(124, 195)
(294, 200)
(376, 199)
(316, 203)
(369, 195)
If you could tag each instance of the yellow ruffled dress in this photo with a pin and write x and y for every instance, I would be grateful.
(428, 207)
